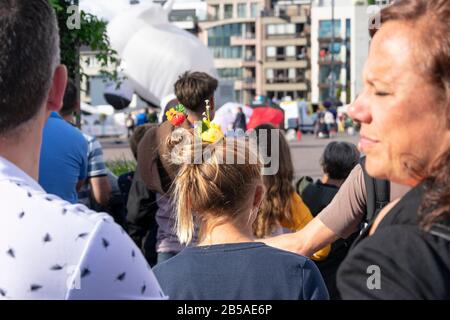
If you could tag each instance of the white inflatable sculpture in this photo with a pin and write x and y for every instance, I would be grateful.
(154, 52)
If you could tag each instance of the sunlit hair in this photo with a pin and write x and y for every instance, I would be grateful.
(213, 190)
(430, 20)
(276, 205)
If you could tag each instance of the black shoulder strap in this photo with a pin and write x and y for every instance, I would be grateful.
(441, 231)
(378, 193)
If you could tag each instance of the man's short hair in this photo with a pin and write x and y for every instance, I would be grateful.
(193, 88)
(339, 158)
(29, 54)
(70, 99)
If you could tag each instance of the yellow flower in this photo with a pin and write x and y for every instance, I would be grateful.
(170, 114)
(213, 134)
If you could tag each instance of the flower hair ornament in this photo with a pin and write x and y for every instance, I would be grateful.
(210, 132)
(177, 115)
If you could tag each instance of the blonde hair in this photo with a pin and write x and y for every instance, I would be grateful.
(211, 190)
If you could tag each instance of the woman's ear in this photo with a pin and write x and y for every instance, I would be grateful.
(259, 195)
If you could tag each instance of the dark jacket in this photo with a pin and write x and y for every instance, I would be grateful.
(411, 263)
(240, 122)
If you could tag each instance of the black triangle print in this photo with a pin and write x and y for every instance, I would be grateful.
(85, 272)
(2, 292)
(64, 211)
(11, 253)
(133, 254)
(105, 243)
(143, 288)
(56, 267)
(82, 235)
(49, 199)
(35, 287)
(21, 215)
(47, 238)
(29, 194)
(121, 276)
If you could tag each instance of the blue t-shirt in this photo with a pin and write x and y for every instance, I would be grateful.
(240, 271)
(63, 158)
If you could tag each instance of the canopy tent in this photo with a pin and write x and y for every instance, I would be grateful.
(155, 53)
(264, 115)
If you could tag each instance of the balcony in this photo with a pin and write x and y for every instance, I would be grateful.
(249, 62)
(326, 60)
(248, 83)
(281, 80)
(245, 40)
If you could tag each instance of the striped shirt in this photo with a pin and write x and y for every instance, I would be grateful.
(96, 168)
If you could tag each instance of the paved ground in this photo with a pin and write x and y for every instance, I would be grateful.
(305, 154)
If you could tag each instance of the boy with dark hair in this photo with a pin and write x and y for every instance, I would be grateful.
(156, 172)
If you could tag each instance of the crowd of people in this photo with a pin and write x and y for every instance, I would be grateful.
(202, 216)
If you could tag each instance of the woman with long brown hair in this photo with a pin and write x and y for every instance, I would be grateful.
(282, 209)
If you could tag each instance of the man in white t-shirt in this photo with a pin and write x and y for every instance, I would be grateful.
(49, 248)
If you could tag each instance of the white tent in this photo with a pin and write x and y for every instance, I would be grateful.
(154, 52)
(225, 115)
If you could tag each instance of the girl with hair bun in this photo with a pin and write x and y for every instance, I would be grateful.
(223, 199)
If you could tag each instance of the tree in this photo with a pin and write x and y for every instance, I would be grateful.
(77, 29)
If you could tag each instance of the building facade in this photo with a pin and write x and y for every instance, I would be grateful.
(285, 33)
(339, 49)
(231, 32)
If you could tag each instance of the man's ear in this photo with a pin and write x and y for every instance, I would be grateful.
(57, 90)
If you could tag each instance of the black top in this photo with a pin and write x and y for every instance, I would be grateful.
(318, 195)
(240, 271)
(408, 262)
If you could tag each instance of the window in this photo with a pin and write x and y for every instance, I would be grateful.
(254, 10)
(348, 28)
(291, 73)
(325, 30)
(290, 51)
(271, 29)
(269, 73)
(215, 12)
(271, 52)
(242, 10)
(281, 29)
(290, 28)
(228, 14)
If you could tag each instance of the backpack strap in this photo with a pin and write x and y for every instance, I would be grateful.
(302, 183)
(441, 231)
(378, 193)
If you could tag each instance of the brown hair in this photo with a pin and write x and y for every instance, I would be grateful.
(276, 205)
(431, 19)
(212, 191)
(70, 99)
(137, 136)
(193, 88)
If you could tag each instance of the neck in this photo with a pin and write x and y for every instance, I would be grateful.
(228, 232)
(23, 145)
(334, 182)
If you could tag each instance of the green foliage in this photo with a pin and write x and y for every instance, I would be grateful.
(92, 33)
(121, 166)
